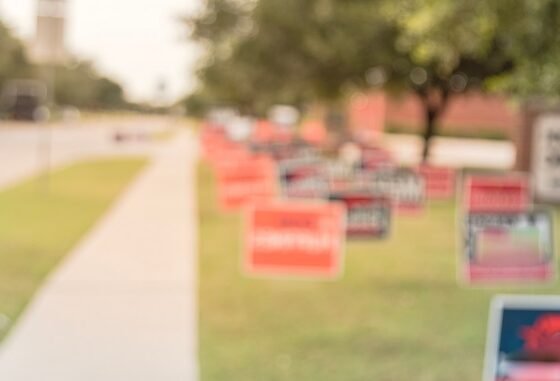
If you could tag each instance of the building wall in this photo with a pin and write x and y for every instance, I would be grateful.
(472, 113)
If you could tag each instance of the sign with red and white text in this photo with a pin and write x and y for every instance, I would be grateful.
(295, 238)
(497, 193)
(440, 182)
(304, 178)
(404, 187)
(374, 158)
(246, 181)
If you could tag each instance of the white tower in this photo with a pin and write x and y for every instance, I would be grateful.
(49, 46)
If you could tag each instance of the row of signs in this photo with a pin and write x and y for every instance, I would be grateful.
(504, 239)
(299, 208)
(301, 173)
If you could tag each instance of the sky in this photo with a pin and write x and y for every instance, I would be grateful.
(140, 43)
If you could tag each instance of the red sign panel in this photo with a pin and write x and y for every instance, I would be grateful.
(374, 158)
(295, 239)
(246, 181)
(218, 149)
(267, 131)
(314, 132)
(497, 193)
(440, 182)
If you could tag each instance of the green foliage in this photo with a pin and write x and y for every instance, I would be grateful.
(82, 86)
(320, 50)
(291, 51)
(76, 84)
(13, 60)
(535, 46)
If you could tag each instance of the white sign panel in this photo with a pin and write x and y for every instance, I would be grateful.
(546, 157)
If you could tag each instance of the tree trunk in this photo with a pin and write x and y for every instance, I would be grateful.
(434, 101)
(336, 123)
(430, 117)
(335, 120)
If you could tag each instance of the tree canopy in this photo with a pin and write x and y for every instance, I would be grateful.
(77, 83)
(263, 52)
(13, 60)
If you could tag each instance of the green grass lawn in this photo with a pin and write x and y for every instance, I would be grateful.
(397, 314)
(37, 228)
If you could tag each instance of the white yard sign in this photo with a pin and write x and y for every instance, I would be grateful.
(546, 157)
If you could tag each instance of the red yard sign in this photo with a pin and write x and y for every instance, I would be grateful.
(314, 132)
(497, 193)
(210, 138)
(217, 148)
(374, 158)
(287, 238)
(245, 181)
(267, 131)
(440, 182)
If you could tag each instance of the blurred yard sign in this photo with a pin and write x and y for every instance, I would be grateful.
(245, 181)
(341, 176)
(509, 193)
(314, 132)
(508, 247)
(296, 239)
(404, 186)
(504, 240)
(266, 131)
(49, 45)
(218, 149)
(239, 128)
(375, 157)
(282, 151)
(303, 178)
(522, 341)
(221, 116)
(440, 182)
(284, 116)
(368, 216)
(546, 157)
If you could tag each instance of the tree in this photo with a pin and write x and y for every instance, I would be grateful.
(79, 84)
(13, 60)
(288, 51)
(321, 50)
(446, 48)
(535, 46)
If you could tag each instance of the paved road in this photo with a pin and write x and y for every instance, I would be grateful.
(122, 306)
(24, 148)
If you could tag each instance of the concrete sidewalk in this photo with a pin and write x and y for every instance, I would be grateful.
(122, 306)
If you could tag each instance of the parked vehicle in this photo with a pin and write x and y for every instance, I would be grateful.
(20, 99)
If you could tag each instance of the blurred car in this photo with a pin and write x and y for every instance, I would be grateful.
(20, 99)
